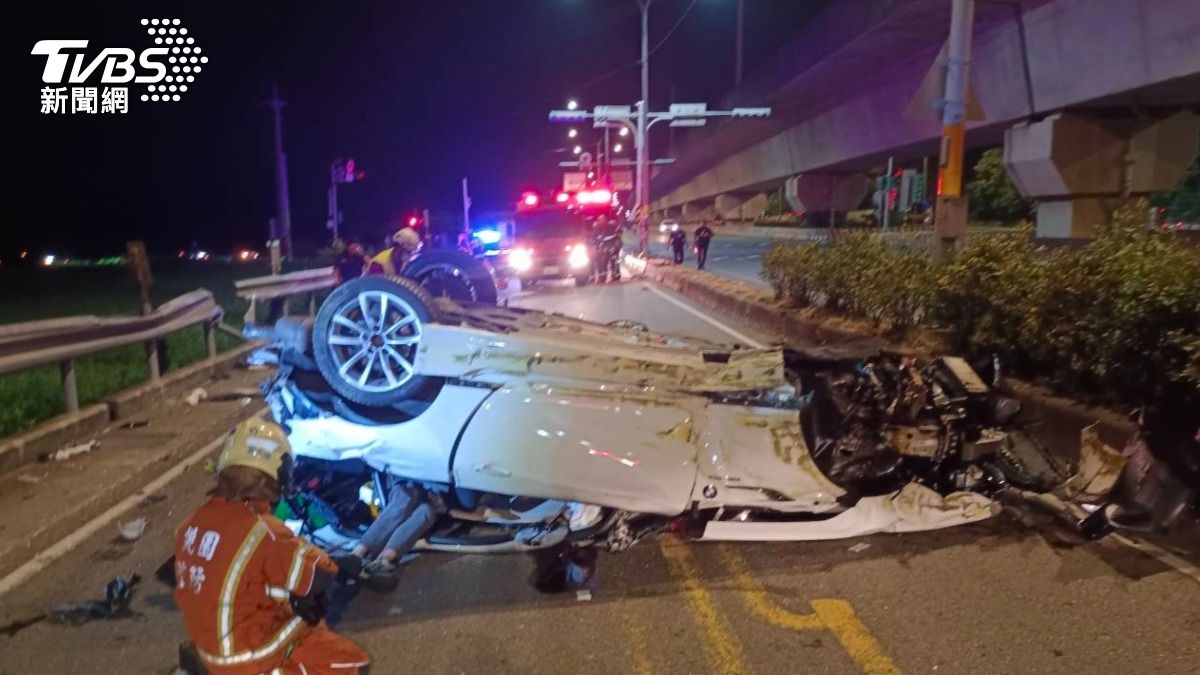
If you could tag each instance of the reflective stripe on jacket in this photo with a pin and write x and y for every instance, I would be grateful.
(235, 568)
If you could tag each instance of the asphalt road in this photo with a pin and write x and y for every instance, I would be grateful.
(1002, 596)
(734, 256)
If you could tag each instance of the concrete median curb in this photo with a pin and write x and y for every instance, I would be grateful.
(54, 433)
(1063, 418)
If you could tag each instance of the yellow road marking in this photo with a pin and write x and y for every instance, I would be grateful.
(721, 645)
(635, 631)
(839, 616)
(834, 615)
(756, 597)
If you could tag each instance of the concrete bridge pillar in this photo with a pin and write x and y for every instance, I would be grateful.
(740, 206)
(1079, 168)
(697, 211)
(821, 195)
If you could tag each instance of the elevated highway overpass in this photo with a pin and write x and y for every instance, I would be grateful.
(1096, 98)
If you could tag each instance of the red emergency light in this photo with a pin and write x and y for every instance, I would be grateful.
(530, 199)
(562, 198)
(600, 196)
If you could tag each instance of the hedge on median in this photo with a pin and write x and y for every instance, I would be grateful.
(1118, 318)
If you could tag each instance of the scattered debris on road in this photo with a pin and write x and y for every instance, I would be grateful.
(118, 594)
(151, 500)
(21, 624)
(243, 396)
(135, 424)
(198, 394)
(859, 547)
(28, 479)
(133, 530)
(583, 596)
(69, 451)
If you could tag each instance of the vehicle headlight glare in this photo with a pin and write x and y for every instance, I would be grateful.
(578, 257)
(521, 259)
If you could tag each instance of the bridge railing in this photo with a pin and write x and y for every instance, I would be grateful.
(37, 343)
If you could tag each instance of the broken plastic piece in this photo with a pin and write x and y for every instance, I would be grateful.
(133, 530)
(859, 547)
(135, 424)
(69, 451)
(198, 394)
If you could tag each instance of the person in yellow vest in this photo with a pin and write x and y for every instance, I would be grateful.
(390, 261)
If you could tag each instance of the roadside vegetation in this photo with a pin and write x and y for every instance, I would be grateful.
(1117, 319)
(33, 292)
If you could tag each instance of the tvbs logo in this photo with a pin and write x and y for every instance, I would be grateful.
(166, 69)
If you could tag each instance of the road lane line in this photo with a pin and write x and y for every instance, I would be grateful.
(639, 652)
(839, 616)
(1163, 556)
(737, 335)
(755, 597)
(722, 646)
(68, 543)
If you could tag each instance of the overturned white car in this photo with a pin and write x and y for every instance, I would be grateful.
(536, 431)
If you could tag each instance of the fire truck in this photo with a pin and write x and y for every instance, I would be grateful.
(563, 235)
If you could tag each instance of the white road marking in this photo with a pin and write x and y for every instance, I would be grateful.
(1163, 556)
(737, 335)
(68, 543)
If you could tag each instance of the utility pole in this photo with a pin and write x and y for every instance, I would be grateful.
(643, 151)
(466, 207)
(950, 219)
(739, 43)
(887, 193)
(283, 211)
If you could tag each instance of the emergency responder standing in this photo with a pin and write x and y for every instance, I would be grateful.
(350, 262)
(678, 240)
(392, 260)
(703, 237)
(252, 593)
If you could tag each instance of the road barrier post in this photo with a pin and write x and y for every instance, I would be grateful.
(69, 385)
(210, 339)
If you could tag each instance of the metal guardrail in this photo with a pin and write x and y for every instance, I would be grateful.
(286, 285)
(37, 343)
(277, 288)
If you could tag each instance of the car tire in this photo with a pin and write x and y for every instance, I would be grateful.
(366, 358)
(453, 274)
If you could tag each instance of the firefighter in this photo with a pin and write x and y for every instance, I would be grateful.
(252, 593)
(391, 261)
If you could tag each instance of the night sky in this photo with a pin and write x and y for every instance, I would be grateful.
(419, 92)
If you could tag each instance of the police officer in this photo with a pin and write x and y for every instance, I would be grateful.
(250, 591)
(703, 237)
(678, 240)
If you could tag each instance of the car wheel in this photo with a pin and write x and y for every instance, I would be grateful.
(454, 275)
(366, 336)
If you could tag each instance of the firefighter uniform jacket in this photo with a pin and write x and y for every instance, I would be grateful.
(236, 567)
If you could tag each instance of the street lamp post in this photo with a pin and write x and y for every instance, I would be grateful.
(640, 120)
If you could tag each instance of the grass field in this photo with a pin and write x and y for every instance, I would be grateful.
(31, 292)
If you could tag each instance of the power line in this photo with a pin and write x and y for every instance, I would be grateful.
(673, 29)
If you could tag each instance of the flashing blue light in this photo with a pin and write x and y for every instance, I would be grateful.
(488, 236)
